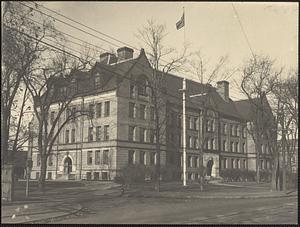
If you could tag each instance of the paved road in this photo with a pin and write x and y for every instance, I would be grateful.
(111, 209)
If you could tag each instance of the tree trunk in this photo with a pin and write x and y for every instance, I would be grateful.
(42, 179)
(274, 179)
(257, 147)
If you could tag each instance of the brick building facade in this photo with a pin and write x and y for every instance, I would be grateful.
(120, 128)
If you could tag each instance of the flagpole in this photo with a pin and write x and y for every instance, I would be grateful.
(184, 26)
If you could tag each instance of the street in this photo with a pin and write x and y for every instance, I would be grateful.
(114, 209)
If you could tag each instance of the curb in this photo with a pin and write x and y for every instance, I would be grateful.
(51, 218)
(209, 197)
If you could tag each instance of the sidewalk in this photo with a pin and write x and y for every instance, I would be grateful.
(214, 190)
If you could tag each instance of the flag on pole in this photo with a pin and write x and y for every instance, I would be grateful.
(180, 23)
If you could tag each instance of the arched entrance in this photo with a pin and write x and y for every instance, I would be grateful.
(209, 166)
(67, 165)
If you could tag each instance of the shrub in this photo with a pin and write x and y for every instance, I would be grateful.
(230, 175)
(265, 175)
(170, 173)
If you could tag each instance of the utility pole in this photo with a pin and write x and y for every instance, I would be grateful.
(184, 130)
(29, 158)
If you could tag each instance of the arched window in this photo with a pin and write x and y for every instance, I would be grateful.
(142, 85)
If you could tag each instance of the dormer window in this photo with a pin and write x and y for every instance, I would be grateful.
(97, 80)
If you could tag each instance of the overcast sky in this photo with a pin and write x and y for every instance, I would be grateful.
(213, 28)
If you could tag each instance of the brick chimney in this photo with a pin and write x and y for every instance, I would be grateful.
(108, 58)
(124, 53)
(223, 89)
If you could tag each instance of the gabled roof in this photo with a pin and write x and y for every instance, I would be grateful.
(246, 107)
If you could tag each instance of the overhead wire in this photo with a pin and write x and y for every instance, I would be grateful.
(55, 18)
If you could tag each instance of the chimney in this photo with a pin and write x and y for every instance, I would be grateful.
(124, 53)
(223, 89)
(108, 58)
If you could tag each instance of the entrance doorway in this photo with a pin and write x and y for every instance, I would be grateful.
(209, 166)
(67, 165)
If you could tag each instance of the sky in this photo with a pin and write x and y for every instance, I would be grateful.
(213, 28)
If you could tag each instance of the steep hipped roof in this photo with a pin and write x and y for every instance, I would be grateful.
(174, 84)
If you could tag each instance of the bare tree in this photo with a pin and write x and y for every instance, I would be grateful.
(152, 35)
(259, 79)
(286, 94)
(199, 67)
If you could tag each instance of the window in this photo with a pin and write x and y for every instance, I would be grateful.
(104, 175)
(92, 110)
(244, 164)
(231, 147)
(261, 163)
(151, 132)
(142, 135)
(49, 176)
(131, 133)
(224, 145)
(196, 123)
(73, 140)
(152, 114)
(207, 144)
(231, 130)
(212, 144)
(97, 157)
(190, 142)
(207, 125)
(132, 91)
(238, 163)
(88, 175)
(142, 85)
(179, 121)
(52, 115)
(96, 175)
(225, 163)
(189, 161)
(99, 109)
(152, 158)
(90, 136)
(131, 157)
(191, 122)
(232, 163)
(188, 119)
(142, 112)
(131, 110)
(244, 148)
(142, 157)
(236, 131)
(90, 157)
(107, 109)
(212, 126)
(244, 132)
(73, 112)
(236, 147)
(68, 113)
(97, 81)
(67, 136)
(50, 160)
(98, 133)
(37, 175)
(196, 142)
(195, 162)
(106, 132)
(224, 128)
(105, 157)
